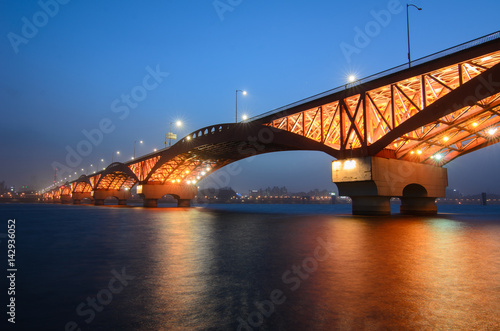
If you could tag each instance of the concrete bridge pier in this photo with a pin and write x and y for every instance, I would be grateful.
(372, 181)
(79, 196)
(371, 205)
(150, 203)
(100, 195)
(183, 193)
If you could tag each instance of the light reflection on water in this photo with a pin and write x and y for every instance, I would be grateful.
(199, 269)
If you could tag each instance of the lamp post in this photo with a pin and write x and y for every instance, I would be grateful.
(242, 92)
(171, 135)
(350, 80)
(408, 29)
(113, 154)
(140, 142)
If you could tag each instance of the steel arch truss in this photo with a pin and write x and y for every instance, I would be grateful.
(82, 185)
(211, 148)
(117, 176)
(359, 120)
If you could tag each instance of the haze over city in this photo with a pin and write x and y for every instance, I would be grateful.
(130, 69)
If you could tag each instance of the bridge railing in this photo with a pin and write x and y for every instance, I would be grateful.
(425, 59)
(211, 129)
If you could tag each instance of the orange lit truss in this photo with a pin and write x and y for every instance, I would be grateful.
(399, 119)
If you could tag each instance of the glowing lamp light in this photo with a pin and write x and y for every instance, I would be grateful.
(203, 173)
(244, 92)
(189, 182)
(244, 117)
(336, 165)
(350, 164)
(412, 152)
(491, 132)
(154, 150)
(178, 123)
(446, 138)
(188, 138)
(173, 181)
(178, 180)
(474, 124)
(438, 157)
(419, 152)
(351, 78)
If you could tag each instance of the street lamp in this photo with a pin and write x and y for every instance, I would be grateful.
(113, 154)
(171, 135)
(140, 142)
(408, 29)
(242, 92)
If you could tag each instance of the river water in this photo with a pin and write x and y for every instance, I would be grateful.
(252, 267)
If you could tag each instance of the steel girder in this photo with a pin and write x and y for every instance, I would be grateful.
(432, 117)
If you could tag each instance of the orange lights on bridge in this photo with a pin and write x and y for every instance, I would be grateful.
(343, 165)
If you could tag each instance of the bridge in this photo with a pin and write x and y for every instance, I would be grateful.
(391, 134)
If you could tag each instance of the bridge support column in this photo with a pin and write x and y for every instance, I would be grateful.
(418, 206)
(66, 199)
(150, 203)
(372, 181)
(121, 195)
(371, 205)
(183, 203)
(79, 196)
(182, 192)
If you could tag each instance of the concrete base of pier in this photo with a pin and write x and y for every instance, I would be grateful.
(181, 192)
(372, 181)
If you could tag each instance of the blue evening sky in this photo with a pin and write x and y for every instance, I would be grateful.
(66, 71)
